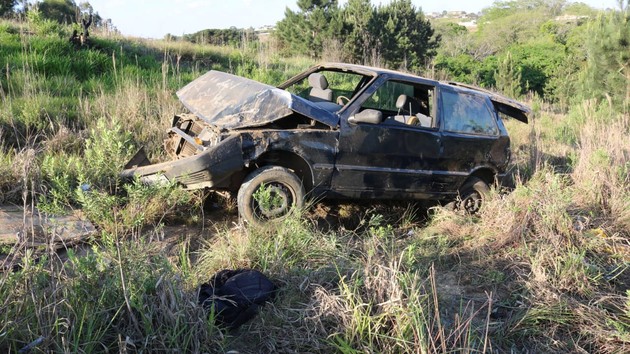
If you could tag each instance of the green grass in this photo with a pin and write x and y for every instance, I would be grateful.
(541, 269)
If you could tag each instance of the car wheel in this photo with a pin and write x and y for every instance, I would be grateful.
(269, 193)
(471, 195)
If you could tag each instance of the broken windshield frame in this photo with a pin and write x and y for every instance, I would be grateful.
(342, 83)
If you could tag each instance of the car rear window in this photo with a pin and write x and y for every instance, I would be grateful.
(465, 113)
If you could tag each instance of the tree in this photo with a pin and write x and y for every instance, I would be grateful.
(305, 31)
(231, 36)
(579, 9)
(291, 32)
(455, 39)
(6, 7)
(86, 8)
(508, 77)
(407, 39)
(358, 16)
(62, 11)
(501, 9)
(607, 72)
(398, 32)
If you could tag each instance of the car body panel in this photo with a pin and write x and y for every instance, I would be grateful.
(317, 148)
(211, 168)
(385, 160)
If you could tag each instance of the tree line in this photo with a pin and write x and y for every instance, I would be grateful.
(232, 36)
(60, 11)
(397, 34)
(560, 50)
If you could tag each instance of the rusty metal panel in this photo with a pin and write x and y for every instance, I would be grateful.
(18, 225)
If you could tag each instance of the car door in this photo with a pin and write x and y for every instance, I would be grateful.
(469, 136)
(390, 159)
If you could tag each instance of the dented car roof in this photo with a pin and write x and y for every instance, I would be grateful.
(228, 101)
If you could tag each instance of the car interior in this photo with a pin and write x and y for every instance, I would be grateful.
(404, 104)
(328, 89)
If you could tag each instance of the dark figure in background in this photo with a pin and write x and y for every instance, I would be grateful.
(84, 37)
(86, 25)
(75, 40)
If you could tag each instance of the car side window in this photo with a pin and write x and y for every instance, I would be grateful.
(404, 104)
(469, 114)
(300, 88)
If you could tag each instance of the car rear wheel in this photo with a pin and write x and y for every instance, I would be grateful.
(269, 193)
(472, 195)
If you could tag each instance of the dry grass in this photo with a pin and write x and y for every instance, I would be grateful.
(541, 269)
(560, 239)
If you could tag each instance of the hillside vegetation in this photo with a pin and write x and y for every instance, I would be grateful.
(543, 268)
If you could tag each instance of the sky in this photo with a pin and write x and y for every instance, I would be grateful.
(155, 18)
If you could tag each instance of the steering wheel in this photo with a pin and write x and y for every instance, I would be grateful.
(340, 100)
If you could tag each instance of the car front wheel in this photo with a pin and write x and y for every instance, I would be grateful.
(269, 193)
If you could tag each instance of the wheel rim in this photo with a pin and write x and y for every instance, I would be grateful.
(272, 201)
(472, 203)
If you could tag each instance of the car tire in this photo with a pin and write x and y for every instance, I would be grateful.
(285, 193)
(472, 195)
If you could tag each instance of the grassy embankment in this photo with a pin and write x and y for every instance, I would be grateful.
(543, 268)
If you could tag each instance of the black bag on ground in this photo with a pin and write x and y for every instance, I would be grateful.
(235, 295)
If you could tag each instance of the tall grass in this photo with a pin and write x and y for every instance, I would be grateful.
(113, 298)
(541, 269)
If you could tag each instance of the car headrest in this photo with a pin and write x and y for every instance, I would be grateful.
(317, 80)
(407, 103)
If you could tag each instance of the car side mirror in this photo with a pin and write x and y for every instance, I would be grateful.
(370, 116)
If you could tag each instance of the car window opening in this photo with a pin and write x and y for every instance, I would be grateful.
(404, 104)
(468, 114)
(329, 90)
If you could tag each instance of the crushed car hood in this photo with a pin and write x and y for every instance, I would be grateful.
(228, 101)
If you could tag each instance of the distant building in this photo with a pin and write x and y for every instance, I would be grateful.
(569, 18)
(456, 14)
(264, 32)
(453, 14)
(265, 29)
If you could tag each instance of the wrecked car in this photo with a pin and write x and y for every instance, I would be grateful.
(335, 131)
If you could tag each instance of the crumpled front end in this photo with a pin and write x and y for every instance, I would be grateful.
(190, 136)
(210, 168)
(205, 145)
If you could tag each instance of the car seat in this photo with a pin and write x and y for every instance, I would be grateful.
(319, 91)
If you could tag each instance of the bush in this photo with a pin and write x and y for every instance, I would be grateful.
(43, 26)
(107, 150)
